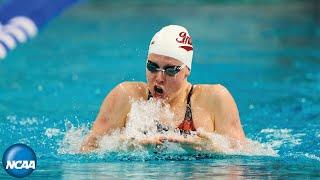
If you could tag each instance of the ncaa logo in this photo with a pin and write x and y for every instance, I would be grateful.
(19, 160)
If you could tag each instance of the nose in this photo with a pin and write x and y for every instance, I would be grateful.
(160, 77)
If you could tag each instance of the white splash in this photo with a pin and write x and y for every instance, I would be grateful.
(142, 123)
(73, 139)
(25, 121)
(247, 147)
(50, 132)
(143, 118)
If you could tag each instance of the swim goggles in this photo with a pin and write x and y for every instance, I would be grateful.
(168, 70)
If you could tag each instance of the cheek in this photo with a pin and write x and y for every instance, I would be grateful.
(150, 79)
(149, 76)
(176, 82)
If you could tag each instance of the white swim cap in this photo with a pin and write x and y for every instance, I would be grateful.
(173, 41)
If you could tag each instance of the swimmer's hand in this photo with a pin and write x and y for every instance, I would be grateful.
(202, 141)
(146, 142)
(154, 140)
(90, 143)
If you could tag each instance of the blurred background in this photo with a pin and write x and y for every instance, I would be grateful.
(79, 56)
(267, 53)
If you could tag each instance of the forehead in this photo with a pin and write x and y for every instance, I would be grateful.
(163, 60)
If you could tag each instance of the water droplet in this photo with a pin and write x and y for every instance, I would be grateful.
(40, 88)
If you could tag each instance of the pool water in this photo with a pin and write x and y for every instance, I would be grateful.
(267, 55)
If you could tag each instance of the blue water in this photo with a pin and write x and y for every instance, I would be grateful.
(267, 55)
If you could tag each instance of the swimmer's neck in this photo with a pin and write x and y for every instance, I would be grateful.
(180, 97)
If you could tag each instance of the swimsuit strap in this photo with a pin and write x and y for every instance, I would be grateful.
(149, 94)
(188, 115)
(189, 95)
(187, 124)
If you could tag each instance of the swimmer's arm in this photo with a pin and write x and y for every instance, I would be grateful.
(226, 114)
(226, 122)
(112, 115)
(99, 128)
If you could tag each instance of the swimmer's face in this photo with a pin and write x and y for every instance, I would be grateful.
(162, 85)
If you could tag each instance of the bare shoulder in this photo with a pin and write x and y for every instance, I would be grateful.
(211, 92)
(209, 87)
(131, 89)
(119, 97)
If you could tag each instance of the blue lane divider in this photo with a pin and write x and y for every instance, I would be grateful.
(20, 20)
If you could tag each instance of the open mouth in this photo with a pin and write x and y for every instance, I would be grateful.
(158, 90)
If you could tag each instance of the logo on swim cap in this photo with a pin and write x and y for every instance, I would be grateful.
(173, 41)
(19, 160)
(185, 39)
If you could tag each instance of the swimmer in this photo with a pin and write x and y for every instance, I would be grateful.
(199, 109)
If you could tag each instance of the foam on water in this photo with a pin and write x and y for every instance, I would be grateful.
(142, 124)
(312, 156)
(279, 137)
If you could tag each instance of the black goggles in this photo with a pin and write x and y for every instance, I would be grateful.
(169, 70)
